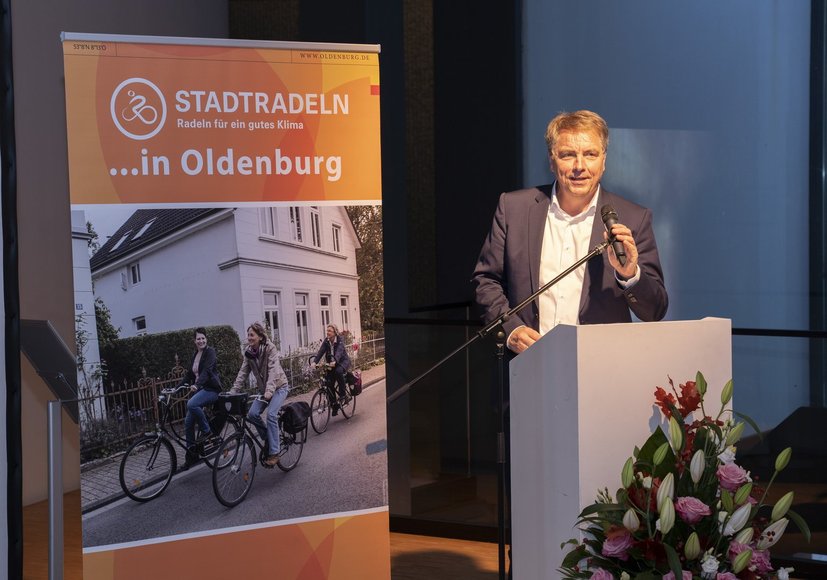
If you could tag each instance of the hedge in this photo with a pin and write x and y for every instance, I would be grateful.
(156, 353)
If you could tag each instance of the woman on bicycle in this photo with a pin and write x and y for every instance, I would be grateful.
(202, 376)
(335, 357)
(262, 361)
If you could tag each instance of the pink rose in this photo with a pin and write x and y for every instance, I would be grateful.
(617, 545)
(684, 575)
(761, 560)
(601, 574)
(691, 509)
(731, 476)
(735, 548)
(726, 576)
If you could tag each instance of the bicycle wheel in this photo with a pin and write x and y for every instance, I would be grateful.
(320, 411)
(233, 473)
(147, 468)
(348, 406)
(291, 449)
(210, 450)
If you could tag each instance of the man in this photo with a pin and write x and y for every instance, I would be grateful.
(538, 232)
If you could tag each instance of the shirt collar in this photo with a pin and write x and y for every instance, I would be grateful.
(554, 206)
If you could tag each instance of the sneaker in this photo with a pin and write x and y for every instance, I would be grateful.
(190, 460)
(271, 461)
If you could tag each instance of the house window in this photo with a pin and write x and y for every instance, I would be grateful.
(143, 229)
(301, 319)
(345, 313)
(124, 281)
(139, 324)
(135, 273)
(337, 234)
(267, 220)
(296, 223)
(324, 303)
(315, 227)
(271, 316)
(120, 242)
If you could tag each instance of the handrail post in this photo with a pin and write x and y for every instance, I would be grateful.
(55, 458)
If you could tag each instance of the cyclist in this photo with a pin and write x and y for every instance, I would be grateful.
(336, 359)
(261, 359)
(202, 375)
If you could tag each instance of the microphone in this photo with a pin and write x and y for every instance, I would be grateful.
(609, 216)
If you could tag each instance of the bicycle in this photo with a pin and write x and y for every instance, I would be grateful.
(325, 398)
(235, 466)
(150, 462)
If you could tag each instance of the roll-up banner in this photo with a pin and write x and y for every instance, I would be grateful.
(226, 230)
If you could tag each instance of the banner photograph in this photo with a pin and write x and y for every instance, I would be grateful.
(229, 320)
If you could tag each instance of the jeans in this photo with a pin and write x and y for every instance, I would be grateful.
(195, 413)
(336, 375)
(271, 432)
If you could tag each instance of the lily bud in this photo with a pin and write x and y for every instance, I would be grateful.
(630, 520)
(667, 516)
(772, 534)
(675, 434)
(726, 501)
(625, 575)
(692, 549)
(783, 459)
(660, 454)
(627, 476)
(700, 383)
(781, 507)
(745, 536)
(697, 466)
(726, 393)
(735, 434)
(743, 493)
(738, 520)
(666, 489)
(741, 561)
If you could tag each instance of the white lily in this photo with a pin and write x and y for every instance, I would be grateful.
(738, 520)
(630, 520)
(666, 489)
(772, 534)
(697, 466)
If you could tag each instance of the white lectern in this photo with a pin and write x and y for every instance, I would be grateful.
(581, 398)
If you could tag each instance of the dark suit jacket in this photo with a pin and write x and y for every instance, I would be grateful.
(207, 371)
(508, 269)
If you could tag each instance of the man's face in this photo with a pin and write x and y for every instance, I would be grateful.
(578, 161)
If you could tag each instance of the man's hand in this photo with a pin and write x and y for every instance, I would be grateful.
(624, 235)
(522, 338)
(193, 388)
(268, 396)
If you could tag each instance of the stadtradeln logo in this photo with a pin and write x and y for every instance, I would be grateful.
(138, 108)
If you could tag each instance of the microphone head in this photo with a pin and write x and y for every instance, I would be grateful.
(608, 212)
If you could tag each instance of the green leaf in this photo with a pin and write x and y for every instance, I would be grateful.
(574, 556)
(596, 508)
(674, 561)
(751, 423)
(799, 521)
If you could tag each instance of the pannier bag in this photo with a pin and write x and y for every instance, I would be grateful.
(354, 380)
(294, 417)
(235, 404)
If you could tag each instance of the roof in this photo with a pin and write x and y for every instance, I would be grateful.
(144, 227)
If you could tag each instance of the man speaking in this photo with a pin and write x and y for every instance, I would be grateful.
(539, 232)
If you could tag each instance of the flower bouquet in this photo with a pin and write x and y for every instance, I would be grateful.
(686, 509)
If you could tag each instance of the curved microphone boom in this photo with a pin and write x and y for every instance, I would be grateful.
(609, 216)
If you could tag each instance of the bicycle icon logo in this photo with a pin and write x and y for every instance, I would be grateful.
(138, 108)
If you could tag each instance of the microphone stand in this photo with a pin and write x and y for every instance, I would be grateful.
(496, 324)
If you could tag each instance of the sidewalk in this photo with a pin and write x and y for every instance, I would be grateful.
(99, 484)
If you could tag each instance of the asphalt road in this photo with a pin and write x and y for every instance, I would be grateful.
(343, 469)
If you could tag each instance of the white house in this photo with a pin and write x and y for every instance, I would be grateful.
(291, 267)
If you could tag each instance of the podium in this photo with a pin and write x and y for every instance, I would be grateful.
(582, 397)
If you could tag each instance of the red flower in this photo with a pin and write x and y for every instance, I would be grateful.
(689, 399)
(665, 401)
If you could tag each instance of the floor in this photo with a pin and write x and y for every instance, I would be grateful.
(412, 557)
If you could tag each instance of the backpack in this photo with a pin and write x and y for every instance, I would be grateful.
(354, 380)
(294, 417)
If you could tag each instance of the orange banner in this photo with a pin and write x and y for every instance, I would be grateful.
(164, 123)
